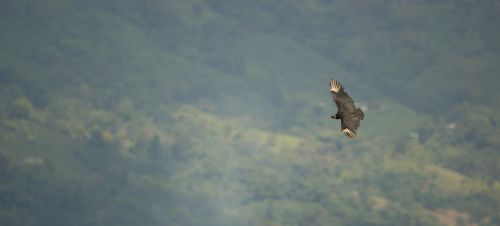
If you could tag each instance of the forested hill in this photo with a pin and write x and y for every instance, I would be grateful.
(217, 112)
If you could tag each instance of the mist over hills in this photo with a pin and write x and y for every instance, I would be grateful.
(217, 113)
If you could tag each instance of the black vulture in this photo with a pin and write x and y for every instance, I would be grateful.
(347, 112)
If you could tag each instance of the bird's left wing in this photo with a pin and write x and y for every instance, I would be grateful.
(338, 94)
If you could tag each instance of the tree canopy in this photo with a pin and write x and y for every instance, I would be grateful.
(217, 112)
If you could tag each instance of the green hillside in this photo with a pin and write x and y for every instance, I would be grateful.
(217, 113)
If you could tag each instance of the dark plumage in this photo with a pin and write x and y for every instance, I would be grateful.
(347, 112)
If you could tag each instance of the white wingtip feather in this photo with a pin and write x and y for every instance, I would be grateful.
(335, 86)
(349, 133)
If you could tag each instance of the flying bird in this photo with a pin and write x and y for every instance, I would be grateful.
(347, 112)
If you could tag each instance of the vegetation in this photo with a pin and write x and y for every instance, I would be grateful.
(217, 113)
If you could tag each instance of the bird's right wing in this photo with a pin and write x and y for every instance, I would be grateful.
(350, 123)
(348, 128)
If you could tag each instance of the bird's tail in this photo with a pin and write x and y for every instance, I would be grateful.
(360, 114)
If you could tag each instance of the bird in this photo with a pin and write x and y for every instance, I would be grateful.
(349, 115)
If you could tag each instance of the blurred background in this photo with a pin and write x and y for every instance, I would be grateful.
(216, 112)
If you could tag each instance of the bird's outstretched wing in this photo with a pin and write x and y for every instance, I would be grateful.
(343, 101)
(350, 123)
